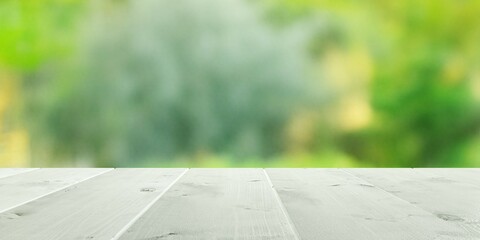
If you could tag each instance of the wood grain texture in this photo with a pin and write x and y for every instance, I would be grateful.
(344, 204)
(465, 175)
(215, 204)
(7, 172)
(333, 204)
(454, 202)
(22, 188)
(94, 209)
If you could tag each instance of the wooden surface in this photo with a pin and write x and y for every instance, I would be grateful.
(150, 204)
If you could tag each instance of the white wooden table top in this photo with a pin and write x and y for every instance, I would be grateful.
(340, 204)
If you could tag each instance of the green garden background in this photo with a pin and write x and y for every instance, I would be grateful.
(239, 83)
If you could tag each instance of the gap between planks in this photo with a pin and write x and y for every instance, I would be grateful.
(389, 193)
(144, 210)
(54, 191)
(414, 205)
(468, 219)
(282, 207)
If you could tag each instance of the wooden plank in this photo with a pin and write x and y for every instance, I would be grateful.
(94, 209)
(22, 188)
(7, 172)
(453, 202)
(332, 204)
(466, 175)
(215, 204)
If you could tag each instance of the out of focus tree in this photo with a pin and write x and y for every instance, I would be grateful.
(422, 89)
(113, 83)
(163, 79)
(33, 36)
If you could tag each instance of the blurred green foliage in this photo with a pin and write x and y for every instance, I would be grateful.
(284, 83)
